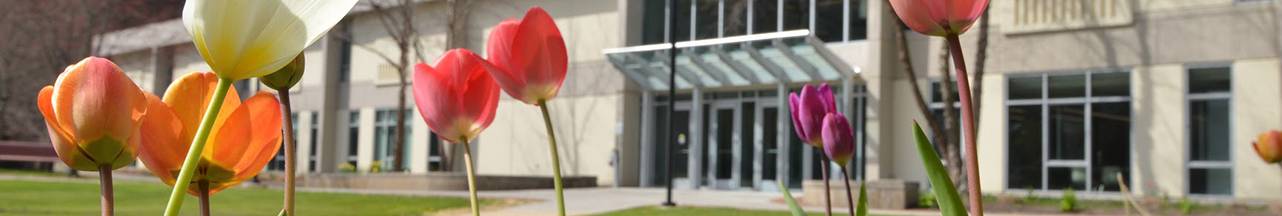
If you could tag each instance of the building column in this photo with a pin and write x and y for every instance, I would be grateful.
(365, 141)
(879, 83)
(419, 142)
(695, 140)
(648, 144)
(162, 64)
(783, 130)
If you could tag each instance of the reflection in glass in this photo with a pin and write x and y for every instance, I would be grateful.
(705, 18)
(1025, 87)
(1065, 177)
(1110, 144)
(1211, 181)
(736, 18)
(828, 21)
(1110, 84)
(769, 143)
(1067, 132)
(1205, 80)
(1067, 86)
(796, 15)
(765, 15)
(1209, 130)
(1025, 164)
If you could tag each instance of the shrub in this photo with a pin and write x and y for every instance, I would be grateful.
(1068, 203)
(1186, 206)
(377, 166)
(926, 200)
(347, 168)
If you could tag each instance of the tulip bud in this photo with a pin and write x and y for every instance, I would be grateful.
(287, 76)
(1269, 146)
(93, 112)
(838, 139)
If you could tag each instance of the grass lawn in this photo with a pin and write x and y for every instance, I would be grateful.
(146, 198)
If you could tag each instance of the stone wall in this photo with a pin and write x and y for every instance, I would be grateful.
(882, 194)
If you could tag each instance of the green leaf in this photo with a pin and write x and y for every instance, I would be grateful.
(862, 209)
(792, 204)
(945, 193)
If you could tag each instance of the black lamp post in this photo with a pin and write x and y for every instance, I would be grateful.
(672, 93)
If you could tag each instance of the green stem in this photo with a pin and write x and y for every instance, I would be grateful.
(105, 186)
(556, 160)
(290, 152)
(850, 201)
(827, 189)
(471, 177)
(197, 145)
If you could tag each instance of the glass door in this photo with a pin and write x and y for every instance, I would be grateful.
(720, 156)
(767, 141)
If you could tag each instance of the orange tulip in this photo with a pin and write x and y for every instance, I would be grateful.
(457, 99)
(939, 17)
(244, 137)
(529, 56)
(93, 112)
(1269, 146)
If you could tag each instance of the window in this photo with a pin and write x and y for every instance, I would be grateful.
(434, 160)
(311, 152)
(706, 19)
(353, 136)
(1210, 163)
(278, 162)
(829, 20)
(384, 138)
(736, 18)
(1068, 131)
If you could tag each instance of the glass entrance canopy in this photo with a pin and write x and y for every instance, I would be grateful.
(740, 61)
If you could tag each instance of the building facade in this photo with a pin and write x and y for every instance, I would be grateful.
(1168, 94)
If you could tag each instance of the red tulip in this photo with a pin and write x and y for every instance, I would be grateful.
(939, 17)
(839, 141)
(808, 111)
(529, 56)
(1269, 146)
(458, 98)
(93, 112)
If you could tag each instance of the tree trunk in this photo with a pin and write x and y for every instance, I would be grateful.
(981, 58)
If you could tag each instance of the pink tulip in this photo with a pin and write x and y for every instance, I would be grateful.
(529, 56)
(838, 139)
(808, 111)
(458, 98)
(939, 17)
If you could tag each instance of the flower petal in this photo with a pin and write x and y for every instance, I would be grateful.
(539, 52)
(919, 15)
(265, 139)
(249, 38)
(838, 138)
(62, 141)
(160, 147)
(230, 139)
(93, 99)
(189, 98)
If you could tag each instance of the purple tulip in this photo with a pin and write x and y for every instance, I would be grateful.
(839, 141)
(808, 111)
